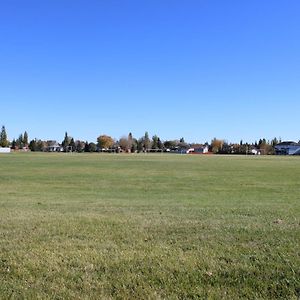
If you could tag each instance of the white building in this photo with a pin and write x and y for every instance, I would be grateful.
(255, 152)
(53, 146)
(4, 150)
(198, 150)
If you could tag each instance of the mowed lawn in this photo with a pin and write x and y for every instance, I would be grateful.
(149, 226)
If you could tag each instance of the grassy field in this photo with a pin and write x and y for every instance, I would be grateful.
(90, 226)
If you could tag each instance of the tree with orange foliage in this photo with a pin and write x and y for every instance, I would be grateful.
(216, 145)
(105, 141)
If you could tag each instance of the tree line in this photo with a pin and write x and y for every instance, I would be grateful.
(131, 144)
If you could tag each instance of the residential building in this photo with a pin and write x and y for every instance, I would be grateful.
(287, 148)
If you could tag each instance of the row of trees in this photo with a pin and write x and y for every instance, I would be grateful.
(19, 143)
(131, 144)
(125, 143)
(223, 147)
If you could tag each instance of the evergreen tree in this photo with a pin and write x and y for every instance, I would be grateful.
(159, 144)
(86, 147)
(274, 142)
(3, 138)
(72, 145)
(147, 142)
(134, 145)
(33, 145)
(130, 136)
(20, 141)
(130, 142)
(92, 147)
(13, 144)
(25, 139)
(66, 142)
(155, 142)
(140, 145)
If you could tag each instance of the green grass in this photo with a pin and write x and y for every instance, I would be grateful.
(90, 226)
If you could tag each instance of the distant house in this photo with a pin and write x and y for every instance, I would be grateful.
(53, 146)
(255, 151)
(198, 150)
(287, 148)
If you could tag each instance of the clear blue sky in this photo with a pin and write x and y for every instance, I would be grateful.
(198, 69)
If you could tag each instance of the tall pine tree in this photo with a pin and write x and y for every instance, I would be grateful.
(25, 139)
(147, 142)
(3, 138)
(66, 142)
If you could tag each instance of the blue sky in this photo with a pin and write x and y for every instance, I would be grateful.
(198, 69)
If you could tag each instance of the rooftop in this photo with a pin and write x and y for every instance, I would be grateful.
(288, 143)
